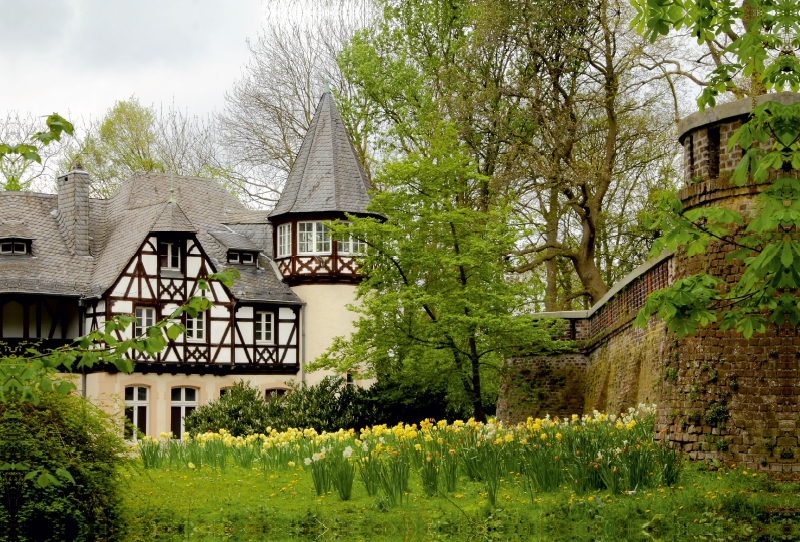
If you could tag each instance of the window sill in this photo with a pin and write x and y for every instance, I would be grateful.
(171, 273)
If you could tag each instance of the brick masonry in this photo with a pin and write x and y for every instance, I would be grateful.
(718, 395)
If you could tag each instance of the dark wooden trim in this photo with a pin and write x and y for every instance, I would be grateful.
(217, 369)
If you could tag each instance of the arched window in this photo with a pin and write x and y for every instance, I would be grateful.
(183, 402)
(136, 411)
(273, 392)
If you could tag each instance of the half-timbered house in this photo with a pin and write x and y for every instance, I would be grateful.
(69, 262)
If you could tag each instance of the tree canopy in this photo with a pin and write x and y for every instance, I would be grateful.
(437, 304)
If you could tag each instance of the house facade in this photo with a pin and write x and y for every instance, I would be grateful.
(69, 262)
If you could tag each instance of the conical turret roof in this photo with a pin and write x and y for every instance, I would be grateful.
(327, 175)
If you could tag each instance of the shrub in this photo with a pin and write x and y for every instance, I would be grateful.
(326, 406)
(61, 432)
(392, 401)
(241, 411)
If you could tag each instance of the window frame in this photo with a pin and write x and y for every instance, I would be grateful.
(135, 404)
(16, 247)
(284, 249)
(203, 328)
(171, 252)
(317, 229)
(258, 321)
(143, 326)
(233, 257)
(182, 404)
(345, 247)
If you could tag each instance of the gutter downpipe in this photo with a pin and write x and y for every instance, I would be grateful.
(303, 343)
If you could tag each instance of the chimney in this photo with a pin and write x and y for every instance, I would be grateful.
(73, 209)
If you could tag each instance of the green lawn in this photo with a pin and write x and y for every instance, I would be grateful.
(204, 505)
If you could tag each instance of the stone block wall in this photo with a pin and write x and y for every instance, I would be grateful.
(542, 385)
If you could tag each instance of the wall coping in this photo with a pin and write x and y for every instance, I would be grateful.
(724, 111)
(618, 286)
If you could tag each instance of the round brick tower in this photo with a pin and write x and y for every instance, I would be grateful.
(723, 396)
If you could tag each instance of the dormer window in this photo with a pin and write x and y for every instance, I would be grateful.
(313, 238)
(171, 256)
(244, 258)
(11, 247)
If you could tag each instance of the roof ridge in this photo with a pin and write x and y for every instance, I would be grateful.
(332, 141)
(314, 123)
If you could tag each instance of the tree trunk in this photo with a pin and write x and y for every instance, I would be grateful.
(551, 265)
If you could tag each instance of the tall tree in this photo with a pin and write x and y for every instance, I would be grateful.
(602, 141)
(18, 172)
(553, 106)
(269, 109)
(436, 304)
(132, 137)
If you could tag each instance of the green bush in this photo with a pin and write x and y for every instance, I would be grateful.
(37, 499)
(241, 411)
(326, 406)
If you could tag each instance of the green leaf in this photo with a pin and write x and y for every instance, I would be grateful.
(63, 473)
(175, 331)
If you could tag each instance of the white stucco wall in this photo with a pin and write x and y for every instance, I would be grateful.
(326, 317)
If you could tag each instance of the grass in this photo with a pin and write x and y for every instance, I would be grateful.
(591, 478)
(204, 504)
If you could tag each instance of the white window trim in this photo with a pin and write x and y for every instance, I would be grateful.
(171, 247)
(249, 255)
(314, 232)
(200, 318)
(140, 327)
(284, 240)
(14, 247)
(182, 404)
(348, 243)
(134, 403)
(258, 318)
(233, 257)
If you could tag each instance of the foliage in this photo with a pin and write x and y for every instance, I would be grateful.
(768, 241)
(765, 49)
(15, 157)
(16, 171)
(241, 410)
(712, 503)
(58, 476)
(393, 399)
(132, 137)
(561, 110)
(436, 304)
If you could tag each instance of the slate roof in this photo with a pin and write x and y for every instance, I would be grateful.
(118, 227)
(234, 241)
(327, 174)
(15, 229)
(50, 268)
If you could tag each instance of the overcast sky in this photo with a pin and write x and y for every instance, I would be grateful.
(78, 57)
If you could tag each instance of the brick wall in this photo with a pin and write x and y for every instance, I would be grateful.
(719, 395)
